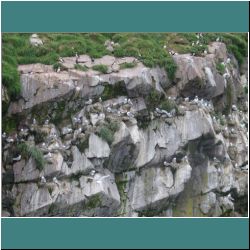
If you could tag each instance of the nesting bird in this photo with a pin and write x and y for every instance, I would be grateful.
(186, 159)
(49, 155)
(130, 102)
(234, 107)
(43, 180)
(61, 60)
(77, 57)
(230, 197)
(102, 178)
(10, 140)
(130, 114)
(125, 101)
(55, 181)
(18, 158)
(46, 122)
(92, 172)
(165, 163)
(89, 102)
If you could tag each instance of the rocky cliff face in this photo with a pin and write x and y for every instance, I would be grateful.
(129, 142)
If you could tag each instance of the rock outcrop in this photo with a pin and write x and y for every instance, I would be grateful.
(99, 146)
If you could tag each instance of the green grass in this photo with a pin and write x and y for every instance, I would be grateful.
(168, 105)
(153, 99)
(220, 68)
(94, 202)
(113, 91)
(101, 68)
(107, 131)
(84, 144)
(80, 67)
(128, 65)
(147, 47)
(9, 124)
(32, 151)
(57, 65)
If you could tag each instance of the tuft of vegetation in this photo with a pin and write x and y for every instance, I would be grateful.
(9, 124)
(153, 99)
(148, 48)
(128, 65)
(94, 202)
(57, 65)
(198, 50)
(113, 91)
(220, 68)
(32, 151)
(38, 136)
(168, 105)
(84, 144)
(81, 67)
(101, 68)
(107, 131)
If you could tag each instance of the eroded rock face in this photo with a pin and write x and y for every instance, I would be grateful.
(119, 155)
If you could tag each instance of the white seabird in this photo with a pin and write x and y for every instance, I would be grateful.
(129, 114)
(130, 102)
(228, 60)
(165, 163)
(18, 158)
(174, 160)
(125, 101)
(100, 99)
(61, 60)
(186, 159)
(55, 181)
(89, 102)
(49, 155)
(102, 178)
(230, 197)
(10, 140)
(43, 180)
(46, 122)
(109, 110)
(92, 172)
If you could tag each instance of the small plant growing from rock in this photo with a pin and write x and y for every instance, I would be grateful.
(128, 65)
(107, 131)
(220, 68)
(32, 151)
(81, 67)
(58, 65)
(113, 91)
(101, 68)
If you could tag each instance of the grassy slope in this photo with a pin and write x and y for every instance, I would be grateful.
(148, 47)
